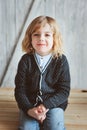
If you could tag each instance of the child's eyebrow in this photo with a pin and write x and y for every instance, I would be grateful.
(48, 32)
(44, 32)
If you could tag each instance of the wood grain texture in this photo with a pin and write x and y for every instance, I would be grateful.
(75, 114)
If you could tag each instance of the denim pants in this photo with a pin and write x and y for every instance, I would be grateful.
(54, 121)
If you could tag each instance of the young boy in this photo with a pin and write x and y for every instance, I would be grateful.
(43, 78)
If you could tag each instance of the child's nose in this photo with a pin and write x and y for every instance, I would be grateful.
(42, 37)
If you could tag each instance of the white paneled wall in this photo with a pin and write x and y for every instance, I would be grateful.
(72, 18)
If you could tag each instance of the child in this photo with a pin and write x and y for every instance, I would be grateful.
(43, 78)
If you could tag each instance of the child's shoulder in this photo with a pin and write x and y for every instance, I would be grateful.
(62, 59)
(26, 56)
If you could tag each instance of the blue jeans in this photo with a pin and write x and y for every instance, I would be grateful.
(54, 121)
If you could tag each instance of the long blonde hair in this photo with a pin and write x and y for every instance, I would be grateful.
(36, 24)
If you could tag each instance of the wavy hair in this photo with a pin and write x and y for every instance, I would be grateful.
(38, 23)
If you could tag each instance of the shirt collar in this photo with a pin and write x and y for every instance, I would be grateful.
(45, 58)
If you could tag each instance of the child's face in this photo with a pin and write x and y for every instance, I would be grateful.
(42, 40)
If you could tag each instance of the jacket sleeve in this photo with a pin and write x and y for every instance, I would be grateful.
(62, 87)
(20, 79)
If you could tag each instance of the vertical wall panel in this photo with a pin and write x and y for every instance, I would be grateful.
(50, 8)
(12, 67)
(7, 33)
(72, 17)
(22, 9)
(12, 13)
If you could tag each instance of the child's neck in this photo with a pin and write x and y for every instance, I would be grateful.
(42, 55)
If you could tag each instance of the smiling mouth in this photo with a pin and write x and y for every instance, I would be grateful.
(41, 44)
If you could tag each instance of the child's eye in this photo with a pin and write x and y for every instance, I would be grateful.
(36, 34)
(47, 35)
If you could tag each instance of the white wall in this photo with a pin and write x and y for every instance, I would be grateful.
(72, 18)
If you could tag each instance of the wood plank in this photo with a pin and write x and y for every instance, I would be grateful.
(78, 100)
(78, 96)
(75, 114)
(76, 127)
(8, 125)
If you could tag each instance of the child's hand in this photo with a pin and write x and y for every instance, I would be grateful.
(35, 113)
(38, 113)
(41, 109)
